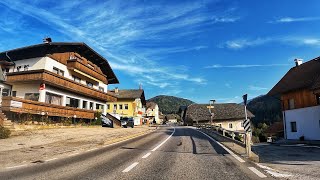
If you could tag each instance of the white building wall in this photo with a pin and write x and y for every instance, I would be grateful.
(307, 120)
(21, 89)
(236, 125)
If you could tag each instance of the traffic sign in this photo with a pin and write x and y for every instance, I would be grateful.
(246, 125)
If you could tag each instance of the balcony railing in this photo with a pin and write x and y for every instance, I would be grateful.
(19, 105)
(77, 64)
(61, 82)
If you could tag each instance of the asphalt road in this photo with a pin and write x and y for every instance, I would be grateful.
(168, 153)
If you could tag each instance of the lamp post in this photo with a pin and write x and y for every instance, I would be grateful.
(74, 119)
(211, 102)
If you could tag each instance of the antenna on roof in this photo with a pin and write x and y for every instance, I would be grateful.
(47, 40)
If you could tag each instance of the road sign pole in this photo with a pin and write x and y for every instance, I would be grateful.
(248, 133)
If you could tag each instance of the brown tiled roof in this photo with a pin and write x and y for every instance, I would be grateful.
(226, 111)
(306, 75)
(129, 94)
(275, 127)
(151, 105)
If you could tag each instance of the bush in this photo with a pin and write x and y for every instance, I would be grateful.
(255, 139)
(4, 132)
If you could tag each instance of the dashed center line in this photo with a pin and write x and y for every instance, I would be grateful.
(146, 155)
(258, 173)
(130, 167)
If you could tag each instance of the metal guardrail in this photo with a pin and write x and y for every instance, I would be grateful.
(236, 136)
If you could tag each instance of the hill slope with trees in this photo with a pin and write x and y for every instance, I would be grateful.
(169, 104)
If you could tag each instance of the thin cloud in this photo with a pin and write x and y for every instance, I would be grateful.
(291, 19)
(256, 88)
(218, 66)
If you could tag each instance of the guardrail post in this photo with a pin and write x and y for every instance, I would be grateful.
(223, 132)
(233, 135)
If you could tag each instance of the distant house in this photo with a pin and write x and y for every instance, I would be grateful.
(172, 118)
(131, 103)
(152, 112)
(229, 116)
(300, 98)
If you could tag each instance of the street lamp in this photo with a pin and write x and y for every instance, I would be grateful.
(211, 102)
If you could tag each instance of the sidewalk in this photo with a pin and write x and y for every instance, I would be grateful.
(38, 145)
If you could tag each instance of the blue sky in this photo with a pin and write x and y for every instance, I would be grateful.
(198, 50)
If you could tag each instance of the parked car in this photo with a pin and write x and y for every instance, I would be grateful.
(127, 122)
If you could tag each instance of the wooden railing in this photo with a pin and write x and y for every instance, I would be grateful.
(77, 64)
(19, 105)
(59, 81)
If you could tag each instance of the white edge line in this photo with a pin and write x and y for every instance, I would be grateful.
(51, 159)
(146, 155)
(16, 166)
(258, 173)
(154, 149)
(92, 149)
(130, 167)
(73, 154)
(230, 152)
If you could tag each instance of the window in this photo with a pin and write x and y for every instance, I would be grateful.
(53, 98)
(84, 104)
(72, 102)
(99, 106)
(76, 79)
(230, 125)
(291, 103)
(14, 93)
(18, 68)
(120, 106)
(5, 92)
(318, 99)
(58, 71)
(115, 106)
(293, 126)
(32, 96)
(126, 106)
(91, 105)
(108, 106)
(89, 84)
(101, 88)
(219, 125)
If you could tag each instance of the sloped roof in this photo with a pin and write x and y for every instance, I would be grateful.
(41, 50)
(129, 94)
(226, 111)
(151, 105)
(306, 75)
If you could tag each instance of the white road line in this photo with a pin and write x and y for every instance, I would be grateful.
(130, 167)
(154, 149)
(92, 149)
(51, 159)
(16, 166)
(230, 152)
(146, 155)
(73, 154)
(258, 173)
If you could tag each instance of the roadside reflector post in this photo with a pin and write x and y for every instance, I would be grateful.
(248, 144)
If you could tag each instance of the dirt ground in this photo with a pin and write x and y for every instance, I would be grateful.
(40, 145)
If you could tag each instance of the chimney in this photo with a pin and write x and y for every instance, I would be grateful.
(298, 62)
(116, 90)
(47, 40)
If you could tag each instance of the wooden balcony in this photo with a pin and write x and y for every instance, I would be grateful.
(81, 66)
(19, 105)
(50, 78)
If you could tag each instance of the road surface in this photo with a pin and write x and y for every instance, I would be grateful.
(168, 153)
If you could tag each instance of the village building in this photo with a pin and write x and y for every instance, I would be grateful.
(299, 89)
(229, 116)
(130, 103)
(56, 80)
(152, 112)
